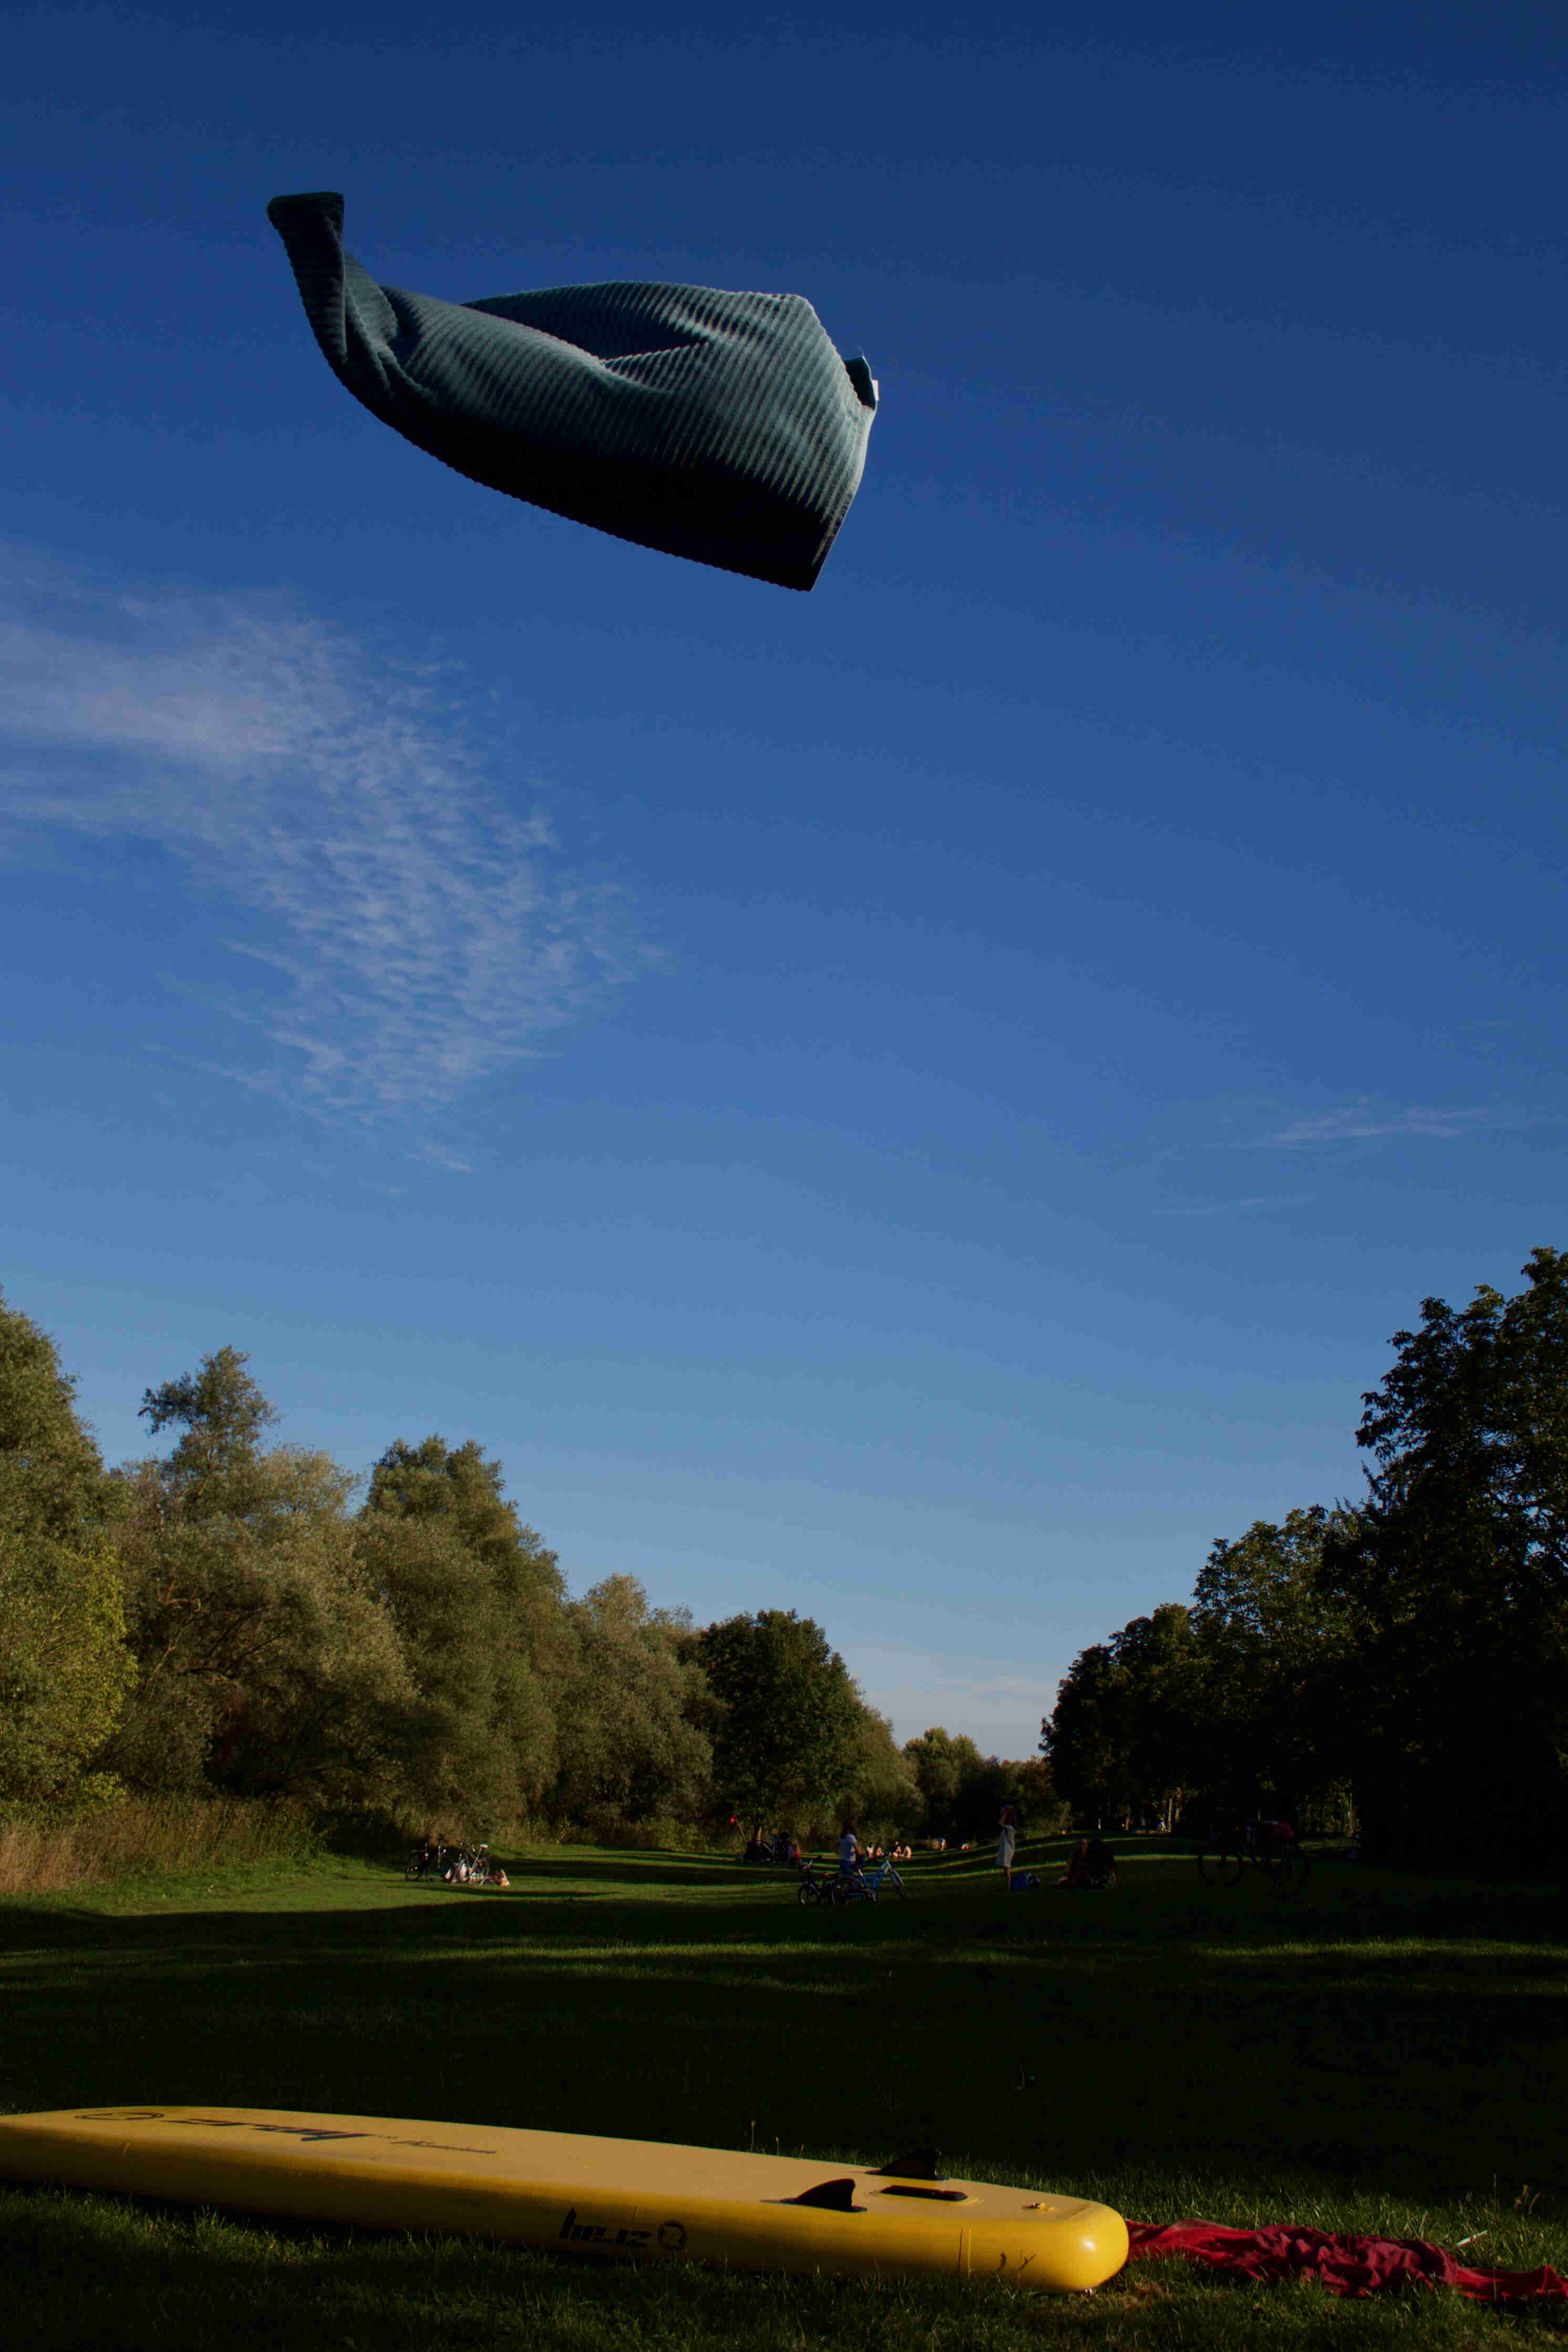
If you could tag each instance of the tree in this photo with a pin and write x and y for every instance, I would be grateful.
(477, 1601)
(456, 1486)
(65, 1667)
(961, 1792)
(1085, 1738)
(221, 1414)
(1277, 1645)
(1456, 1572)
(880, 1793)
(64, 1664)
(630, 1745)
(1126, 1733)
(267, 1664)
(786, 1714)
(942, 1763)
(1044, 1809)
(51, 1479)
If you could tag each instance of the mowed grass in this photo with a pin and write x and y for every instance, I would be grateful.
(1380, 2055)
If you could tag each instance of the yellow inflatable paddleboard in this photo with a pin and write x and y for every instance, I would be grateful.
(624, 2198)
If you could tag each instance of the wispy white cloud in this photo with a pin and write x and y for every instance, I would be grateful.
(421, 932)
(1359, 1119)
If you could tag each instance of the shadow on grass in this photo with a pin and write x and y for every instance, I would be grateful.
(1354, 2058)
(1051, 2043)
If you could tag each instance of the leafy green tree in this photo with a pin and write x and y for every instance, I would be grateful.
(1277, 1646)
(51, 1479)
(628, 1732)
(1164, 1683)
(64, 1664)
(1085, 1738)
(944, 1763)
(1127, 1733)
(457, 1486)
(1456, 1570)
(1044, 1811)
(961, 1792)
(220, 1413)
(880, 1793)
(478, 1605)
(269, 1667)
(786, 1714)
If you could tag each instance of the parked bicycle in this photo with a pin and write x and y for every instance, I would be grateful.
(843, 1886)
(453, 1865)
(885, 1876)
(838, 1886)
(1271, 1847)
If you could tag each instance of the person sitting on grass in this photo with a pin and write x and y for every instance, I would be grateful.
(1077, 1871)
(1101, 1864)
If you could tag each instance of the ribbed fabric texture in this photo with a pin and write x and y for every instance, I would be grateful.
(720, 427)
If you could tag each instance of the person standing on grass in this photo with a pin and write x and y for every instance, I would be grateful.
(848, 1851)
(1006, 1845)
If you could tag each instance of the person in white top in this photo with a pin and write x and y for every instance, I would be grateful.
(1006, 1845)
(848, 1850)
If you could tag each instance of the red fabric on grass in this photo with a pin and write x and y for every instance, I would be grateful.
(1353, 2266)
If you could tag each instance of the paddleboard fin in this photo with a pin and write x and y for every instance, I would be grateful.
(916, 2164)
(833, 2196)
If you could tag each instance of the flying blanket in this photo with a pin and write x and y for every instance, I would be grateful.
(720, 427)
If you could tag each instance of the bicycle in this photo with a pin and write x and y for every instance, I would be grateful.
(1268, 1846)
(886, 1873)
(849, 1886)
(843, 1886)
(427, 1860)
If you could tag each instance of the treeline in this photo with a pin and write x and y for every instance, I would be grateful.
(245, 1618)
(1402, 1658)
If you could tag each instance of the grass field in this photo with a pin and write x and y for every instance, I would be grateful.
(1379, 2054)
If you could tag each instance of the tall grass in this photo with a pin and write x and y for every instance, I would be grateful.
(129, 1837)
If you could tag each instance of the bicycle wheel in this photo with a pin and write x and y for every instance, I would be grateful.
(1219, 1865)
(808, 1892)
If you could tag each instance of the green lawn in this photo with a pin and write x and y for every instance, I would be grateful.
(1378, 2054)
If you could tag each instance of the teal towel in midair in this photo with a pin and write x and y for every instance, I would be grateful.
(720, 427)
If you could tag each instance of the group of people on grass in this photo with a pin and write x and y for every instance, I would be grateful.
(1090, 1865)
(853, 1855)
(1091, 1862)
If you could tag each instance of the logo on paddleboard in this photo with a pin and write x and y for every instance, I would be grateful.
(670, 2235)
(602, 2234)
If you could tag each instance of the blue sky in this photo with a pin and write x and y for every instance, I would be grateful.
(922, 1102)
